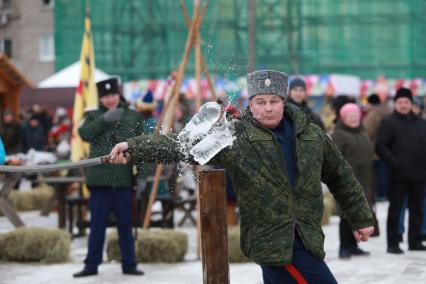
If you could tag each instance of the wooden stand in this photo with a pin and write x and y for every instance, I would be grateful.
(214, 230)
(10, 180)
(58, 198)
(193, 40)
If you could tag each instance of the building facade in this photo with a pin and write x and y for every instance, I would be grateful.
(27, 37)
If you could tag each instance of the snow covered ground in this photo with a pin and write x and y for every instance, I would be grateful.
(378, 268)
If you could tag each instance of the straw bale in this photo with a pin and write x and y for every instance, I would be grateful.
(234, 249)
(153, 246)
(35, 245)
(2, 237)
(35, 199)
(330, 202)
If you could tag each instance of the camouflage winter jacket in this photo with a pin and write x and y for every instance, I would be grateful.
(270, 209)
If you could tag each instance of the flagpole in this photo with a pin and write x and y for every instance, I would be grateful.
(86, 94)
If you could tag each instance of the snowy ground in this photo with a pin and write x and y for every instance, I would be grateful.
(380, 267)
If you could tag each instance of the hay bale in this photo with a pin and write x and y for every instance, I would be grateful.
(35, 199)
(153, 246)
(234, 249)
(113, 248)
(328, 208)
(2, 247)
(330, 203)
(326, 214)
(35, 244)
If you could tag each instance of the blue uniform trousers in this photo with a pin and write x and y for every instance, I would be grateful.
(103, 200)
(305, 268)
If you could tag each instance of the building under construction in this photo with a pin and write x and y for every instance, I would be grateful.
(145, 39)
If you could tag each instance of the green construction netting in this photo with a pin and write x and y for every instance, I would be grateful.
(145, 38)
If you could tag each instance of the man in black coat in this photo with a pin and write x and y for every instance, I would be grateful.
(401, 144)
(34, 136)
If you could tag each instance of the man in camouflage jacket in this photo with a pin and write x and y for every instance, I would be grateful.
(277, 164)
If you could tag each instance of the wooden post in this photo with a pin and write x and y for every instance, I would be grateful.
(214, 230)
(61, 191)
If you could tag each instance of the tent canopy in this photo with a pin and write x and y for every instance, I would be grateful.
(69, 77)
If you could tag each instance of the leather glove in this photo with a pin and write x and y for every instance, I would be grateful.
(113, 114)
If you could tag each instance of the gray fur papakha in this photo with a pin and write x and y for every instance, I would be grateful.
(271, 211)
(264, 82)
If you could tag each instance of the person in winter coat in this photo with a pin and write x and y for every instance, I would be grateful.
(357, 149)
(297, 96)
(59, 134)
(33, 134)
(276, 164)
(376, 112)
(110, 185)
(417, 109)
(11, 132)
(401, 144)
(43, 116)
(418, 106)
(2, 153)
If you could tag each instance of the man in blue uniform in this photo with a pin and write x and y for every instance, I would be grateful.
(110, 185)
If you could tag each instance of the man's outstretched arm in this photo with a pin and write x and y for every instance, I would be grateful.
(148, 148)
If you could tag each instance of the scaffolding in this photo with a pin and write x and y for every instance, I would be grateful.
(144, 39)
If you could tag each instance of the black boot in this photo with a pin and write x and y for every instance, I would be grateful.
(395, 250)
(376, 231)
(85, 272)
(344, 253)
(133, 271)
(357, 251)
(417, 246)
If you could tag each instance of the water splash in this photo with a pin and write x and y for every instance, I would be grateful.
(205, 135)
(220, 136)
(199, 125)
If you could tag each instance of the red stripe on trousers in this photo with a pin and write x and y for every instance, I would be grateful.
(295, 273)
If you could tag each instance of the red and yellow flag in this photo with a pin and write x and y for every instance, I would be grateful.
(86, 96)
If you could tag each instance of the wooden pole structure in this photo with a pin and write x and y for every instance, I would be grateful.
(172, 102)
(214, 229)
(204, 67)
(251, 32)
(198, 69)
